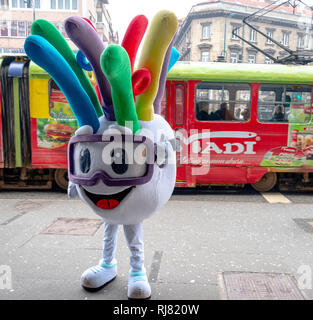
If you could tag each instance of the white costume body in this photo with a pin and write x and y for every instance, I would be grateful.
(142, 201)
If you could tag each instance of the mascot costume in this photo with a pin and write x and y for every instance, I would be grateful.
(122, 160)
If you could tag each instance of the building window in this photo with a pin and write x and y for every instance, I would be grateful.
(268, 60)
(301, 41)
(3, 4)
(205, 56)
(13, 32)
(234, 57)
(4, 29)
(99, 16)
(234, 33)
(28, 4)
(252, 35)
(25, 4)
(251, 58)
(270, 35)
(285, 40)
(188, 37)
(63, 4)
(206, 32)
(21, 29)
(28, 30)
(15, 28)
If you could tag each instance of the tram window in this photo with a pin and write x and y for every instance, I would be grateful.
(164, 104)
(222, 102)
(179, 104)
(285, 103)
(59, 108)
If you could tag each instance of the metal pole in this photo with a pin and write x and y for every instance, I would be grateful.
(225, 39)
(34, 11)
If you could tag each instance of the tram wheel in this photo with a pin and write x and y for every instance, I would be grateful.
(266, 183)
(61, 179)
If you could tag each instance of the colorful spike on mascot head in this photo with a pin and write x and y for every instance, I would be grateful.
(121, 159)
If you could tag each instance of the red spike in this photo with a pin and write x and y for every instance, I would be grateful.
(141, 79)
(90, 23)
(133, 37)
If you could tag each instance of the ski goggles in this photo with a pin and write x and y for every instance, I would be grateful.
(115, 159)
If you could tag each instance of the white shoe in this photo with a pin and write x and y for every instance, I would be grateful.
(138, 285)
(98, 276)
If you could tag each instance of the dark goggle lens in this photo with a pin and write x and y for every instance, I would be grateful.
(84, 160)
(119, 164)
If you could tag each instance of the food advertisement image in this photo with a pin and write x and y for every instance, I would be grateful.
(301, 137)
(59, 108)
(300, 134)
(56, 132)
(299, 152)
(283, 157)
(53, 134)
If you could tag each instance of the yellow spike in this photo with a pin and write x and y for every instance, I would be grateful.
(158, 38)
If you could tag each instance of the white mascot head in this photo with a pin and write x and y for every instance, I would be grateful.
(129, 176)
(122, 163)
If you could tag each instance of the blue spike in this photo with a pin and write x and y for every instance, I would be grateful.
(46, 56)
(82, 61)
(173, 59)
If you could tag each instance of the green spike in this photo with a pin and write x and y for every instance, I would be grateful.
(115, 65)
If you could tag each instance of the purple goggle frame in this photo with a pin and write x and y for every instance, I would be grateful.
(102, 175)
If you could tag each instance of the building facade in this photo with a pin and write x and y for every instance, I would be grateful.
(16, 17)
(206, 33)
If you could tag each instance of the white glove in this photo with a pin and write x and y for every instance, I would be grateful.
(71, 190)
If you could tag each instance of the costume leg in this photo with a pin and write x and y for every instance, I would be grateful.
(138, 285)
(134, 237)
(98, 276)
(109, 242)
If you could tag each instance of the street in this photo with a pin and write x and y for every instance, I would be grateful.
(189, 243)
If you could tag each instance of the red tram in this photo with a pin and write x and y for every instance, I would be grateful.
(258, 120)
(236, 124)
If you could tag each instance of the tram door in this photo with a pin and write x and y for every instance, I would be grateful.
(177, 118)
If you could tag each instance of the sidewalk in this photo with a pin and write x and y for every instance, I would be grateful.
(187, 244)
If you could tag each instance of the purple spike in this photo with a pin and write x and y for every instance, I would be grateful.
(162, 81)
(89, 42)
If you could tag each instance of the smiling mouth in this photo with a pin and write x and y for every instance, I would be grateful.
(109, 201)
